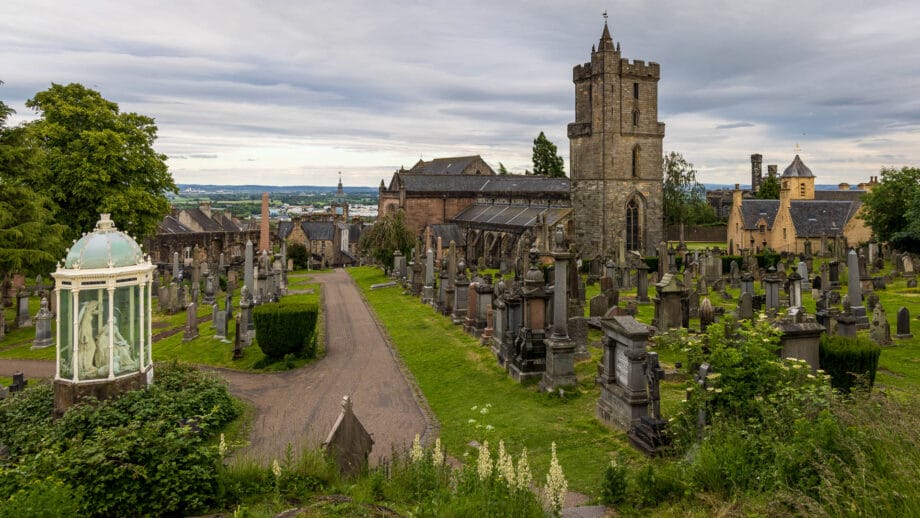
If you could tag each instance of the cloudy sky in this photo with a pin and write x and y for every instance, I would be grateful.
(291, 92)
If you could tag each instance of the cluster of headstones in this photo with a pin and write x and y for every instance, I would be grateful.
(18, 385)
(16, 290)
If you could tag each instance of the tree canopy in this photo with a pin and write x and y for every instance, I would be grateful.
(546, 161)
(30, 240)
(96, 159)
(502, 169)
(769, 189)
(684, 197)
(892, 208)
(389, 233)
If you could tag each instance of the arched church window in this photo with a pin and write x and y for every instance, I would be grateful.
(633, 240)
(635, 117)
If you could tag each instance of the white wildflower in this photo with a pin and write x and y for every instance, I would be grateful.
(505, 465)
(416, 453)
(523, 472)
(222, 447)
(437, 456)
(276, 468)
(484, 463)
(489, 428)
(556, 484)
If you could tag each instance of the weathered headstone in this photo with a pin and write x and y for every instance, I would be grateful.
(23, 318)
(903, 330)
(879, 328)
(191, 323)
(348, 443)
(597, 306)
(707, 314)
(237, 343)
(854, 290)
(220, 324)
(209, 289)
(745, 307)
(43, 326)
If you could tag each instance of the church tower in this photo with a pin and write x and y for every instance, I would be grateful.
(616, 154)
(340, 204)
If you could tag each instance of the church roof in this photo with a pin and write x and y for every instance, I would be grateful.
(753, 210)
(813, 218)
(509, 215)
(318, 230)
(797, 169)
(497, 184)
(448, 232)
(450, 165)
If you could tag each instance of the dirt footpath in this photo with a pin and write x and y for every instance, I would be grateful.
(299, 407)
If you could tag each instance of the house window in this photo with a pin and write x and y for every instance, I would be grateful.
(635, 162)
(635, 90)
(633, 242)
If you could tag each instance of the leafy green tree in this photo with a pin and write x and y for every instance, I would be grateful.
(684, 197)
(502, 169)
(30, 240)
(389, 233)
(892, 208)
(769, 189)
(97, 159)
(546, 161)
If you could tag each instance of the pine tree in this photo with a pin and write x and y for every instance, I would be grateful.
(546, 161)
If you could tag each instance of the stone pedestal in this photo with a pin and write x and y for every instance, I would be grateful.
(560, 364)
(43, 327)
(624, 394)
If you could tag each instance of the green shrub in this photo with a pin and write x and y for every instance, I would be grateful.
(767, 259)
(613, 488)
(727, 262)
(652, 263)
(298, 254)
(286, 329)
(849, 361)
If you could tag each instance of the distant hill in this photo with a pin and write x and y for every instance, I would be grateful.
(730, 186)
(246, 189)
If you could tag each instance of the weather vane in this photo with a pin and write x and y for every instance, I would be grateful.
(605, 15)
(798, 149)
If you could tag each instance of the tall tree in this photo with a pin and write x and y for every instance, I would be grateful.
(98, 159)
(546, 161)
(892, 207)
(30, 240)
(502, 169)
(684, 197)
(769, 189)
(389, 233)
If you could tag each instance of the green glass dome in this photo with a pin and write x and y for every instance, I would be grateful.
(104, 247)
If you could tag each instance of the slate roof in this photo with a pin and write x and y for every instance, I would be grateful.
(354, 232)
(284, 229)
(450, 165)
(753, 210)
(797, 169)
(838, 195)
(448, 232)
(226, 223)
(171, 225)
(505, 215)
(318, 230)
(488, 185)
(813, 218)
(201, 219)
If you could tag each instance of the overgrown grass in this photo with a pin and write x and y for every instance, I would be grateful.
(456, 374)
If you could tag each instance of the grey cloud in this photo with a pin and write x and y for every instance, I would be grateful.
(734, 125)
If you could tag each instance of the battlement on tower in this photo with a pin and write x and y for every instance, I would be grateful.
(638, 68)
(581, 72)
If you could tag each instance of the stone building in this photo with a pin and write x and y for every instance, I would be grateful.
(209, 232)
(616, 153)
(801, 214)
(329, 239)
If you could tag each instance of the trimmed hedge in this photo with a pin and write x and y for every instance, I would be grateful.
(849, 361)
(283, 329)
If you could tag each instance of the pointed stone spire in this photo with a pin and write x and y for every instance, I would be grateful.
(606, 41)
(340, 192)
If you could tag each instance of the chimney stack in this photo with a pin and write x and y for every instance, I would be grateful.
(756, 171)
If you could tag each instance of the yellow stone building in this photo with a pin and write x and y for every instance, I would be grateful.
(801, 214)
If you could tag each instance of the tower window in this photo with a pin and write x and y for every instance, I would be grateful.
(802, 190)
(635, 90)
(635, 117)
(635, 162)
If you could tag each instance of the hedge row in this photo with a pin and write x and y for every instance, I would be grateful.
(849, 361)
(283, 329)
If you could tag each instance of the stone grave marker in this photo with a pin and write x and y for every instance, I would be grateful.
(23, 319)
(707, 314)
(220, 324)
(191, 322)
(903, 330)
(598, 306)
(879, 328)
(348, 443)
(43, 326)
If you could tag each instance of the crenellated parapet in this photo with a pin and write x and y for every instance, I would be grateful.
(639, 68)
(581, 72)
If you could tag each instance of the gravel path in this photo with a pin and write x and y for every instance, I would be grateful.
(299, 407)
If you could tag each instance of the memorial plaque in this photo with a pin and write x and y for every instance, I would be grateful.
(622, 366)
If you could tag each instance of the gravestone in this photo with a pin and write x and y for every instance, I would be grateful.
(903, 331)
(624, 396)
(694, 304)
(43, 326)
(19, 382)
(855, 292)
(209, 289)
(642, 283)
(191, 323)
(176, 272)
(912, 283)
(348, 443)
(745, 307)
(560, 348)
(871, 301)
(669, 307)
(879, 328)
(248, 276)
(707, 314)
(237, 344)
(597, 306)
(803, 272)
(735, 275)
(246, 324)
(220, 324)
(23, 318)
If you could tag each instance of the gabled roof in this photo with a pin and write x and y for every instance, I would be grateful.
(450, 165)
(202, 220)
(448, 232)
(318, 230)
(753, 210)
(479, 185)
(171, 225)
(854, 195)
(284, 229)
(797, 169)
(513, 216)
(227, 224)
(813, 218)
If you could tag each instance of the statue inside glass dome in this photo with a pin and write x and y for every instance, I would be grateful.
(85, 339)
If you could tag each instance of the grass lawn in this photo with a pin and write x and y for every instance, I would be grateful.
(203, 350)
(456, 374)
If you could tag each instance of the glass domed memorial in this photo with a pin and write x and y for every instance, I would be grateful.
(103, 317)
